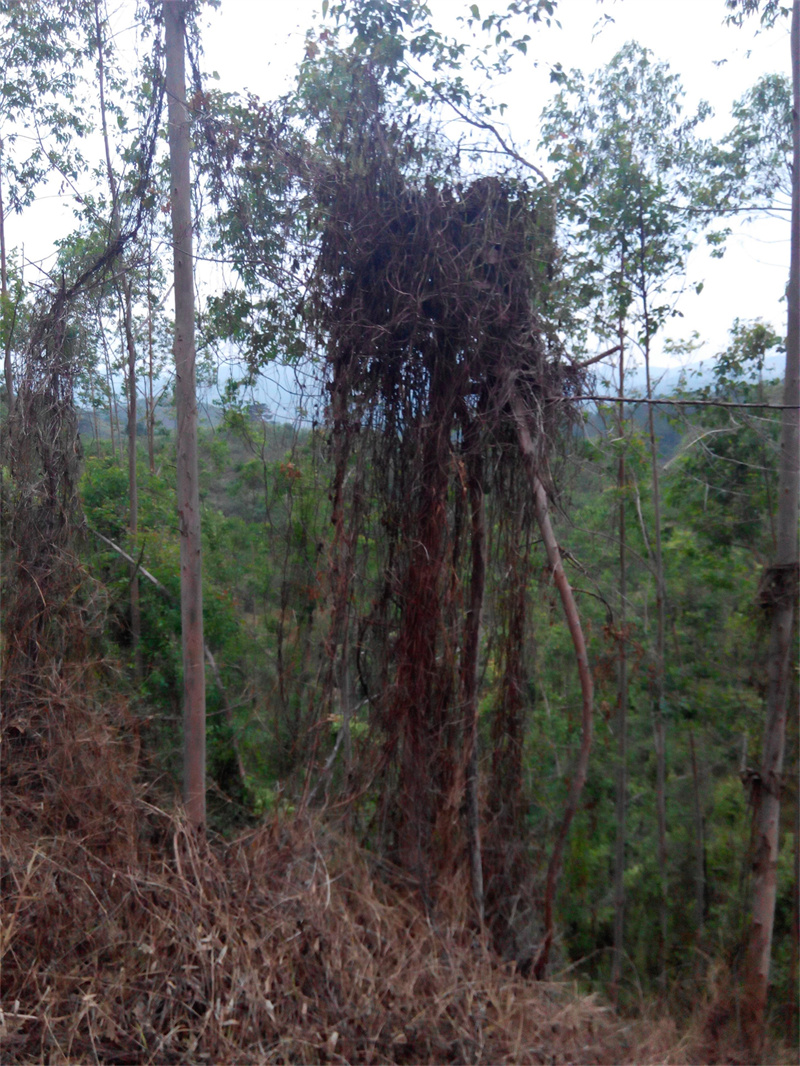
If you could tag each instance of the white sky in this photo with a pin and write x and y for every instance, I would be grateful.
(256, 44)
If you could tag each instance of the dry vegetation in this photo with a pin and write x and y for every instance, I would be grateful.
(127, 940)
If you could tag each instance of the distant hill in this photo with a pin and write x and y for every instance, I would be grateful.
(667, 380)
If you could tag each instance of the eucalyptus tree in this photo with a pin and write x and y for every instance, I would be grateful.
(779, 589)
(626, 159)
(175, 13)
(750, 169)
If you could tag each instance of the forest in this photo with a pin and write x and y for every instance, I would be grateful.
(394, 668)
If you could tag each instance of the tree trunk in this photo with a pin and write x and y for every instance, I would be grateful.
(337, 673)
(8, 370)
(111, 395)
(223, 692)
(133, 518)
(779, 593)
(793, 1027)
(587, 689)
(659, 726)
(194, 682)
(622, 710)
(469, 674)
(94, 412)
(150, 406)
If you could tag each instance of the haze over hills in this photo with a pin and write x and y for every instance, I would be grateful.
(667, 380)
(282, 401)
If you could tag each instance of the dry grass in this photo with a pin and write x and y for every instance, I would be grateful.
(127, 940)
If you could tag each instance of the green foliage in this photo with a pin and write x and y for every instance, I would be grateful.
(263, 522)
(728, 467)
(750, 169)
(713, 547)
(769, 11)
(44, 50)
(626, 159)
(104, 495)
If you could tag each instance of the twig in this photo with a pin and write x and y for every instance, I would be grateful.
(583, 363)
(482, 124)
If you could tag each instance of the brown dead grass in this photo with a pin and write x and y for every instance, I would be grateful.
(125, 939)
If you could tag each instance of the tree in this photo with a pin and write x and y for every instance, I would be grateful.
(194, 708)
(41, 57)
(779, 595)
(126, 315)
(622, 636)
(728, 487)
(780, 583)
(363, 115)
(626, 158)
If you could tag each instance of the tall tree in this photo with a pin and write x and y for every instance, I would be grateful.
(387, 39)
(126, 317)
(780, 595)
(779, 589)
(8, 370)
(194, 683)
(43, 51)
(626, 158)
(622, 654)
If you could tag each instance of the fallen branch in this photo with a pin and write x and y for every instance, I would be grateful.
(525, 440)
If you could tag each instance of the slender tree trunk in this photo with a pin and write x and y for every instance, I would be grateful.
(94, 412)
(8, 370)
(149, 403)
(110, 388)
(587, 688)
(779, 594)
(469, 681)
(622, 710)
(660, 746)
(337, 674)
(194, 682)
(133, 517)
(117, 424)
(659, 726)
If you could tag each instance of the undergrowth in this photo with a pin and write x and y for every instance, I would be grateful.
(126, 939)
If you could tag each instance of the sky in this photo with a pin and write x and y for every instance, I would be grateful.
(256, 44)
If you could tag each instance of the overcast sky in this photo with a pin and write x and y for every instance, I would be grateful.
(257, 44)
